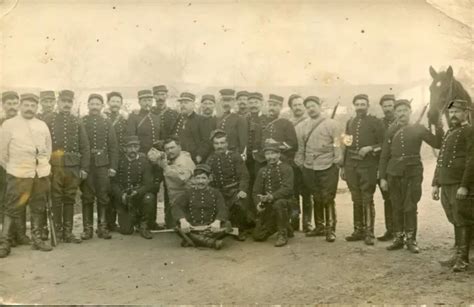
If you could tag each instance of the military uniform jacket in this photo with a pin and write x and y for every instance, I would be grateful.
(401, 148)
(200, 207)
(43, 116)
(191, 135)
(387, 122)
(276, 180)
(120, 127)
(70, 141)
(209, 124)
(229, 171)
(146, 126)
(235, 126)
(454, 157)
(281, 130)
(255, 126)
(168, 118)
(364, 131)
(102, 141)
(134, 174)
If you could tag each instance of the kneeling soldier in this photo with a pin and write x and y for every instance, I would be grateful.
(272, 192)
(231, 177)
(200, 206)
(132, 189)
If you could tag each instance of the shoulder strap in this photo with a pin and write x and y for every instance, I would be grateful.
(312, 130)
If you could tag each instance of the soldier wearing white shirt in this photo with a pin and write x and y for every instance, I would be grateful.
(25, 151)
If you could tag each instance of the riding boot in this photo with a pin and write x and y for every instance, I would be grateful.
(369, 220)
(451, 261)
(205, 241)
(282, 238)
(398, 242)
(144, 232)
(462, 261)
(20, 227)
(68, 218)
(307, 212)
(58, 221)
(87, 221)
(4, 237)
(412, 246)
(36, 227)
(44, 229)
(112, 218)
(358, 216)
(318, 212)
(102, 231)
(330, 213)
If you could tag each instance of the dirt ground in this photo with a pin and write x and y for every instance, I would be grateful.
(132, 270)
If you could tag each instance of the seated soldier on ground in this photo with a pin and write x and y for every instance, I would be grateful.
(132, 190)
(273, 192)
(200, 212)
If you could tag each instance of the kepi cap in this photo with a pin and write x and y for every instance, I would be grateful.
(208, 97)
(271, 145)
(145, 94)
(47, 95)
(160, 88)
(402, 102)
(66, 95)
(312, 98)
(29, 96)
(227, 93)
(96, 96)
(131, 140)
(186, 96)
(387, 97)
(9, 95)
(114, 94)
(275, 98)
(256, 95)
(360, 96)
(217, 133)
(241, 93)
(460, 104)
(203, 168)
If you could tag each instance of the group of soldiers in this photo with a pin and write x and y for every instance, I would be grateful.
(244, 169)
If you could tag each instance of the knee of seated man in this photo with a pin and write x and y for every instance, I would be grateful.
(279, 204)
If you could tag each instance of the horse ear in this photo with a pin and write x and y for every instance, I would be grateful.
(449, 72)
(433, 72)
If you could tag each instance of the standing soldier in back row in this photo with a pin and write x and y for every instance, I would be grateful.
(167, 116)
(104, 163)
(234, 125)
(70, 162)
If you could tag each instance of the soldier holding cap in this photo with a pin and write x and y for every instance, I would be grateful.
(453, 177)
(132, 190)
(320, 156)
(104, 163)
(201, 205)
(70, 162)
(234, 125)
(365, 133)
(230, 177)
(25, 151)
(401, 172)
(167, 116)
(47, 101)
(272, 194)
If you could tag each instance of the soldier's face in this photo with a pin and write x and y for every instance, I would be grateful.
(242, 103)
(361, 106)
(201, 180)
(313, 109)
(457, 116)
(187, 106)
(220, 144)
(254, 105)
(297, 107)
(28, 108)
(10, 106)
(65, 105)
(145, 103)
(47, 105)
(227, 104)
(274, 109)
(132, 150)
(272, 157)
(160, 98)
(388, 107)
(115, 103)
(172, 150)
(207, 107)
(402, 114)
(95, 105)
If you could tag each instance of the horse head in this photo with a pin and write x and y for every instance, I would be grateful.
(440, 91)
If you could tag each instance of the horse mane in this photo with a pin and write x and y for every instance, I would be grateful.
(459, 92)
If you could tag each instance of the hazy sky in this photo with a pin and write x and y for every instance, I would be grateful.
(92, 44)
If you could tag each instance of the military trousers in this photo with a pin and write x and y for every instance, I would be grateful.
(274, 218)
(454, 207)
(25, 191)
(239, 211)
(387, 207)
(302, 191)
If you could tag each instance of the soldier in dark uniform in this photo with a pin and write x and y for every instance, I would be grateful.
(234, 125)
(167, 116)
(401, 172)
(10, 104)
(272, 194)
(255, 122)
(119, 122)
(104, 163)
(230, 177)
(189, 128)
(242, 98)
(201, 205)
(47, 102)
(132, 189)
(209, 121)
(70, 162)
(361, 161)
(387, 103)
(453, 177)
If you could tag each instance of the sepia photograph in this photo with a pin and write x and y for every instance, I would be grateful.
(236, 152)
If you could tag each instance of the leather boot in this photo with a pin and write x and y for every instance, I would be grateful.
(282, 221)
(387, 236)
(369, 222)
(44, 229)
(307, 212)
(451, 261)
(102, 231)
(398, 242)
(282, 238)
(205, 241)
(318, 212)
(330, 212)
(358, 216)
(68, 218)
(58, 221)
(4, 237)
(87, 221)
(144, 232)
(20, 227)
(36, 227)
(412, 246)
(464, 242)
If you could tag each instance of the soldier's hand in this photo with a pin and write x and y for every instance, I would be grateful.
(435, 193)
(269, 197)
(260, 207)
(241, 195)
(342, 174)
(112, 172)
(462, 193)
(384, 185)
(215, 226)
(83, 175)
(198, 159)
(364, 151)
(184, 225)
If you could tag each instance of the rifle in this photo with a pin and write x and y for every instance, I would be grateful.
(50, 217)
(233, 231)
(422, 113)
(334, 110)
